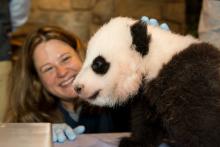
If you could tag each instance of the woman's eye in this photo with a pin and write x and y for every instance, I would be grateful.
(47, 69)
(65, 59)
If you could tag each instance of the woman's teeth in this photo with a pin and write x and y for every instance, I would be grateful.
(67, 82)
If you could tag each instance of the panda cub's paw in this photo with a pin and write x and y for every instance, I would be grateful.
(130, 142)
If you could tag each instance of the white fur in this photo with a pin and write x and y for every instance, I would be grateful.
(163, 46)
(113, 41)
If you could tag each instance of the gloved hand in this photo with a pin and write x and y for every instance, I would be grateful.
(62, 132)
(164, 145)
(154, 22)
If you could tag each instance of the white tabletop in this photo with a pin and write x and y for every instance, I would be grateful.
(25, 135)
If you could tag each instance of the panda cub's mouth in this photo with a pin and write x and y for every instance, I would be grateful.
(94, 96)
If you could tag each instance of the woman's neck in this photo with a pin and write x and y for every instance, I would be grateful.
(68, 105)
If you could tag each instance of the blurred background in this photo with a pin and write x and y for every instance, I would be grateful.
(84, 17)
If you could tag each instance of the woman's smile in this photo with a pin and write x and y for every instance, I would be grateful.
(67, 82)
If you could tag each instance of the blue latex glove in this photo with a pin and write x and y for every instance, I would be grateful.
(62, 132)
(164, 145)
(154, 22)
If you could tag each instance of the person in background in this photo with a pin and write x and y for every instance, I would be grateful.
(5, 28)
(13, 13)
(209, 24)
(19, 12)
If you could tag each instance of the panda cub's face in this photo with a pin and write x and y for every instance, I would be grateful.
(112, 70)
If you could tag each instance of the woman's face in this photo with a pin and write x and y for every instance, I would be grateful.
(57, 64)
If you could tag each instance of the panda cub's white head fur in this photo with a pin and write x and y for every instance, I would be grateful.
(120, 54)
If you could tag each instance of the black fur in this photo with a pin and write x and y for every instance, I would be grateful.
(180, 107)
(100, 65)
(140, 38)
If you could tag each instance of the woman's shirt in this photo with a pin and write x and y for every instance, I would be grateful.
(95, 120)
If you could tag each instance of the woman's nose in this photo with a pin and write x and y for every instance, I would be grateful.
(61, 71)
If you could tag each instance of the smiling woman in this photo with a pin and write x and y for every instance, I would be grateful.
(40, 88)
(57, 65)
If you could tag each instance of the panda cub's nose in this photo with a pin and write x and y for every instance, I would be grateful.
(78, 88)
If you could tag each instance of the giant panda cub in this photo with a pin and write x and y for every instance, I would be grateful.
(172, 82)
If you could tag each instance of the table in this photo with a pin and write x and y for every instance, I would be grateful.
(25, 135)
(94, 140)
(39, 135)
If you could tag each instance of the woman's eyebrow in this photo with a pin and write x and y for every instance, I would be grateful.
(64, 54)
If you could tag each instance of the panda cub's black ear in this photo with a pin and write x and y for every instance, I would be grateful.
(140, 38)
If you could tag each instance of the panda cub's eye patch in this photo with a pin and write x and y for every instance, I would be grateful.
(100, 65)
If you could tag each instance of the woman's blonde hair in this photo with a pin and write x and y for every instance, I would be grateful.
(28, 99)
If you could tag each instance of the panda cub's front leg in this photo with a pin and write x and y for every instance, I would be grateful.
(146, 131)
